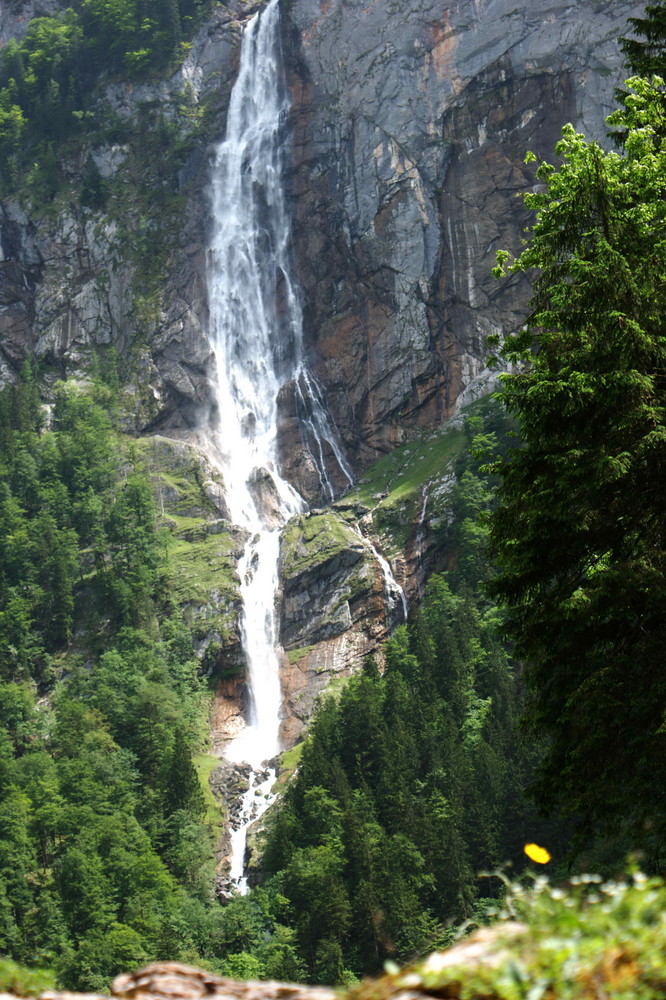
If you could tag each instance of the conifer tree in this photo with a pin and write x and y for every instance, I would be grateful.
(580, 536)
(183, 790)
(646, 54)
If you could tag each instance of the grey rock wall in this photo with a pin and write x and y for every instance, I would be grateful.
(15, 16)
(20, 271)
(70, 281)
(411, 121)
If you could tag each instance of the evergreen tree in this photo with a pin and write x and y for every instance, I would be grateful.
(183, 790)
(646, 54)
(580, 534)
(93, 189)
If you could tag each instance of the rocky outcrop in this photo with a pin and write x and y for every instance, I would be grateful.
(334, 609)
(326, 572)
(172, 980)
(15, 16)
(411, 122)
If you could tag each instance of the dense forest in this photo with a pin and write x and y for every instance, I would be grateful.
(524, 698)
(409, 784)
(104, 860)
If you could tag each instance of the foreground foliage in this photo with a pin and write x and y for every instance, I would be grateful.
(587, 939)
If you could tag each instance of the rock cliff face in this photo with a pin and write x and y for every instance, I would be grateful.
(20, 270)
(411, 122)
(77, 281)
(334, 608)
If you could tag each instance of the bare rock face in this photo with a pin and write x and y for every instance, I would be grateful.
(265, 496)
(15, 15)
(334, 610)
(20, 270)
(411, 122)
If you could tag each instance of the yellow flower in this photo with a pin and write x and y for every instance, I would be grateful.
(536, 853)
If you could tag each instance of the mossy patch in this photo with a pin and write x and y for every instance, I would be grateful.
(309, 541)
(205, 764)
(202, 567)
(178, 473)
(24, 982)
(296, 655)
(180, 496)
(392, 489)
(289, 761)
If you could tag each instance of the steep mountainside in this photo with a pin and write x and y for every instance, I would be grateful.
(410, 126)
(406, 139)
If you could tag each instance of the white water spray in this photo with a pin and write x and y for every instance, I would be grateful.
(421, 537)
(393, 592)
(256, 334)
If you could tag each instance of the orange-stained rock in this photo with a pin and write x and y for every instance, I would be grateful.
(174, 981)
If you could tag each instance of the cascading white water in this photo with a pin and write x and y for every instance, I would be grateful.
(393, 592)
(248, 257)
(256, 334)
(421, 537)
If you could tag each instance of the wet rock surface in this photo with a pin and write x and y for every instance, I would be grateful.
(334, 610)
(228, 783)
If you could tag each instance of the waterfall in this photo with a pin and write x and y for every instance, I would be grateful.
(421, 537)
(393, 592)
(256, 335)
